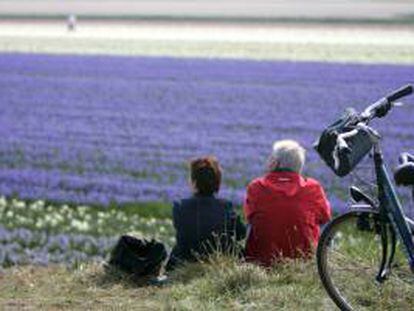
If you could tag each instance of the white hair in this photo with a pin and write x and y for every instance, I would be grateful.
(287, 154)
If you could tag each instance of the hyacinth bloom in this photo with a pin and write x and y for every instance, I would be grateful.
(42, 233)
(98, 129)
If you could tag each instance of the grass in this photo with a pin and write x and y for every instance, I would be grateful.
(353, 261)
(219, 284)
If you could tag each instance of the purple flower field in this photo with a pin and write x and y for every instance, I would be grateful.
(22, 246)
(98, 129)
(42, 233)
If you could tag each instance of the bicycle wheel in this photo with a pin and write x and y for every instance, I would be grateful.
(349, 258)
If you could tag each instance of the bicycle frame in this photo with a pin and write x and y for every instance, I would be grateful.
(390, 207)
(382, 218)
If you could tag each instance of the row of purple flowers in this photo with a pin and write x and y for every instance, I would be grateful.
(95, 129)
(23, 246)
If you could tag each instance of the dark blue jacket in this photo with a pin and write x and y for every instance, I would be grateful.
(200, 222)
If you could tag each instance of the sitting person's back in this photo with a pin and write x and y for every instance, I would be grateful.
(284, 209)
(199, 222)
(204, 223)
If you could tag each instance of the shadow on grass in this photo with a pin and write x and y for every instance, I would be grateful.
(106, 277)
(218, 278)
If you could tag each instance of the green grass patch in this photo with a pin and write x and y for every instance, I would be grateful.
(221, 283)
(218, 283)
(152, 219)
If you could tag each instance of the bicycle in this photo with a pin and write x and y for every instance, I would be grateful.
(362, 254)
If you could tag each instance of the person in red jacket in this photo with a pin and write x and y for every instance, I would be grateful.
(284, 209)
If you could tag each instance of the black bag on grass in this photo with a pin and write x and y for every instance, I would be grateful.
(139, 257)
(359, 145)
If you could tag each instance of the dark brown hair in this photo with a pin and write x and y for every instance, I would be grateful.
(206, 175)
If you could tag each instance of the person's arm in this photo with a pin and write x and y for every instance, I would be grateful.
(175, 214)
(173, 259)
(249, 206)
(322, 205)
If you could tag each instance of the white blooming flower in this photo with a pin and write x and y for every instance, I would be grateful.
(40, 223)
(18, 204)
(80, 225)
(64, 208)
(37, 205)
(3, 202)
(88, 217)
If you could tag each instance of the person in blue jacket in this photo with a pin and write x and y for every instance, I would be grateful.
(204, 223)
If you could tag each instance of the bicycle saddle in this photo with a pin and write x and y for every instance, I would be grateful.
(404, 173)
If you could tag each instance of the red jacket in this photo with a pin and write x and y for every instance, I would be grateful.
(284, 210)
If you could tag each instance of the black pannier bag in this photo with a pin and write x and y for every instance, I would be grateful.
(359, 145)
(138, 257)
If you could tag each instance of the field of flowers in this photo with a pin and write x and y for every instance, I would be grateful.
(43, 233)
(118, 129)
(107, 131)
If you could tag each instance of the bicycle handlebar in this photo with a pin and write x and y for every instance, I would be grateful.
(401, 92)
(380, 108)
